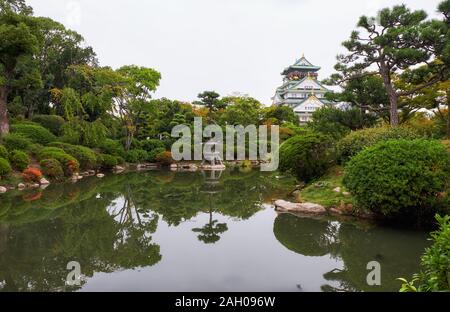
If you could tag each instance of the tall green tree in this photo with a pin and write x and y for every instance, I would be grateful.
(395, 40)
(17, 41)
(211, 100)
(134, 100)
(16, 6)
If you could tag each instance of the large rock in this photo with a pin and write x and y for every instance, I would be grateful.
(3, 189)
(21, 186)
(307, 208)
(44, 181)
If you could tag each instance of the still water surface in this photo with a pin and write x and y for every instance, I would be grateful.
(165, 231)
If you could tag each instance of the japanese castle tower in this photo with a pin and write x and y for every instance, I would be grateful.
(301, 90)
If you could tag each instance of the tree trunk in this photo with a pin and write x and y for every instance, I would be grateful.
(393, 97)
(4, 123)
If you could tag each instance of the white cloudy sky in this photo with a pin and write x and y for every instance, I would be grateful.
(223, 45)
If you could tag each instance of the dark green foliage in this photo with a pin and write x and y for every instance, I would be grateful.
(164, 158)
(52, 168)
(19, 160)
(356, 141)
(337, 122)
(108, 161)
(136, 156)
(85, 156)
(401, 178)
(112, 147)
(150, 145)
(307, 156)
(3, 152)
(53, 123)
(15, 141)
(69, 164)
(5, 167)
(37, 134)
(152, 155)
(81, 132)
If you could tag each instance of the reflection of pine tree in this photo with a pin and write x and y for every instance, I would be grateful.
(209, 234)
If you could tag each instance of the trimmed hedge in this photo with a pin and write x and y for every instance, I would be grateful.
(52, 168)
(3, 152)
(152, 155)
(164, 158)
(307, 156)
(53, 123)
(69, 164)
(108, 161)
(19, 160)
(5, 167)
(112, 147)
(150, 145)
(85, 156)
(36, 133)
(357, 141)
(136, 156)
(14, 141)
(401, 178)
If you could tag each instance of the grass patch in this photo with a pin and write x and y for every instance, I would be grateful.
(322, 191)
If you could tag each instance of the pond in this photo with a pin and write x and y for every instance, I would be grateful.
(167, 231)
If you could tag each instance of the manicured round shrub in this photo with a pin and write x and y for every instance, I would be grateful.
(14, 141)
(307, 156)
(32, 175)
(136, 156)
(53, 123)
(52, 168)
(356, 141)
(112, 147)
(5, 167)
(150, 145)
(400, 178)
(85, 156)
(108, 161)
(19, 160)
(164, 158)
(36, 133)
(35, 149)
(120, 160)
(69, 164)
(152, 155)
(3, 152)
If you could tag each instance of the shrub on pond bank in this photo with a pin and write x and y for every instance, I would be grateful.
(307, 156)
(3, 152)
(85, 156)
(19, 160)
(112, 147)
(164, 158)
(35, 133)
(52, 168)
(32, 175)
(5, 167)
(69, 164)
(357, 141)
(107, 161)
(14, 141)
(401, 178)
(150, 145)
(136, 156)
(53, 123)
(152, 155)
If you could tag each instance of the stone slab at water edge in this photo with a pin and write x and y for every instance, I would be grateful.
(308, 208)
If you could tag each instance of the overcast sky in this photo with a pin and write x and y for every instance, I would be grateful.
(223, 45)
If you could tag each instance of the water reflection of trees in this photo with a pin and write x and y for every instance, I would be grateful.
(397, 251)
(107, 225)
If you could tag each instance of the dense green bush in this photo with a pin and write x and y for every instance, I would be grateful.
(152, 155)
(3, 152)
(14, 141)
(150, 145)
(112, 147)
(53, 123)
(69, 164)
(356, 141)
(307, 156)
(164, 158)
(81, 132)
(36, 133)
(108, 161)
(136, 156)
(435, 263)
(85, 156)
(52, 168)
(19, 160)
(401, 178)
(5, 167)
(35, 149)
